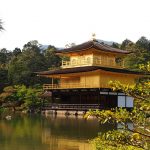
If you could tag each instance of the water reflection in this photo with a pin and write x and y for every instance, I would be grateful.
(51, 133)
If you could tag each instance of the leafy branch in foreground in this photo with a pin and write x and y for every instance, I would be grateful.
(117, 139)
(125, 137)
(140, 92)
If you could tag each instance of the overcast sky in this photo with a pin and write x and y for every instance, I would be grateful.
(59, 22)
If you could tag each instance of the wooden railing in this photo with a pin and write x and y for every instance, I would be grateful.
(69, 64)
(94, 62)
(50, 86)
(70, 106)
(69, 86)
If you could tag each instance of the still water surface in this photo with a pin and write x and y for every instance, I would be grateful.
(48, 133)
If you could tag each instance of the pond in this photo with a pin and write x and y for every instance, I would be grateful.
(36, 132)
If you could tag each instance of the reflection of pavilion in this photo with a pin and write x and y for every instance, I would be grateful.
(68, 133)
(71, 133)
(59, 143)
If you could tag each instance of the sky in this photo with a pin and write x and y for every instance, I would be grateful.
(60, 22)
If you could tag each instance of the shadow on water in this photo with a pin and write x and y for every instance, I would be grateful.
(35, 132)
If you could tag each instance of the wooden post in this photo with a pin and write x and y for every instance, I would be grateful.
(99, 80)
(52, 82)
(59, 85)
(123, 63)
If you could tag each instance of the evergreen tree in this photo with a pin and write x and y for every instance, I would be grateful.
(140, 53)
(52, 60)
(22, 67)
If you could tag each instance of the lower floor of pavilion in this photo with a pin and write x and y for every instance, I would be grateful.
(89, 99)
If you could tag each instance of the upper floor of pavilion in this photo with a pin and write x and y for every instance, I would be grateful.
(93, 53)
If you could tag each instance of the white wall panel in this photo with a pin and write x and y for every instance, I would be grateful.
(129, 101)
(121, 101)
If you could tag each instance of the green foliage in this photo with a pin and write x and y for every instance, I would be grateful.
(32, 100)
(140, 53)
(1, 110)
(52, 60)
(112, 140)
(7, 94)
(125, 43)
(23, 65)
(134, 137)
(16, 51)
(144, 43)
(3, 76)
(115, 45)
(146, 67)
(140, 91)
(5, 57)
(111, 116)
(20, 96)
(125, 137)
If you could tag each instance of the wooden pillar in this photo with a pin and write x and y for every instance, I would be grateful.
(59, 84)
(52, 82)
(99, 80)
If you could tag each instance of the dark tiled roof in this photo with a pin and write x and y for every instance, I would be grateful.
(92, 44)
(87, 69)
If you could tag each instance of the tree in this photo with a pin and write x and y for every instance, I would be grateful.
(22, 67)
(144, 43)
(125, 137)
(125, 43)
(140, 53)
(3, 78)
(8, 98)
(16, 51)
(115, 45)
(20, 96)
(52, 60)
(5, 57)
(33, 101)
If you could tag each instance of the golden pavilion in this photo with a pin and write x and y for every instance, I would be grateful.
(83, 80)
